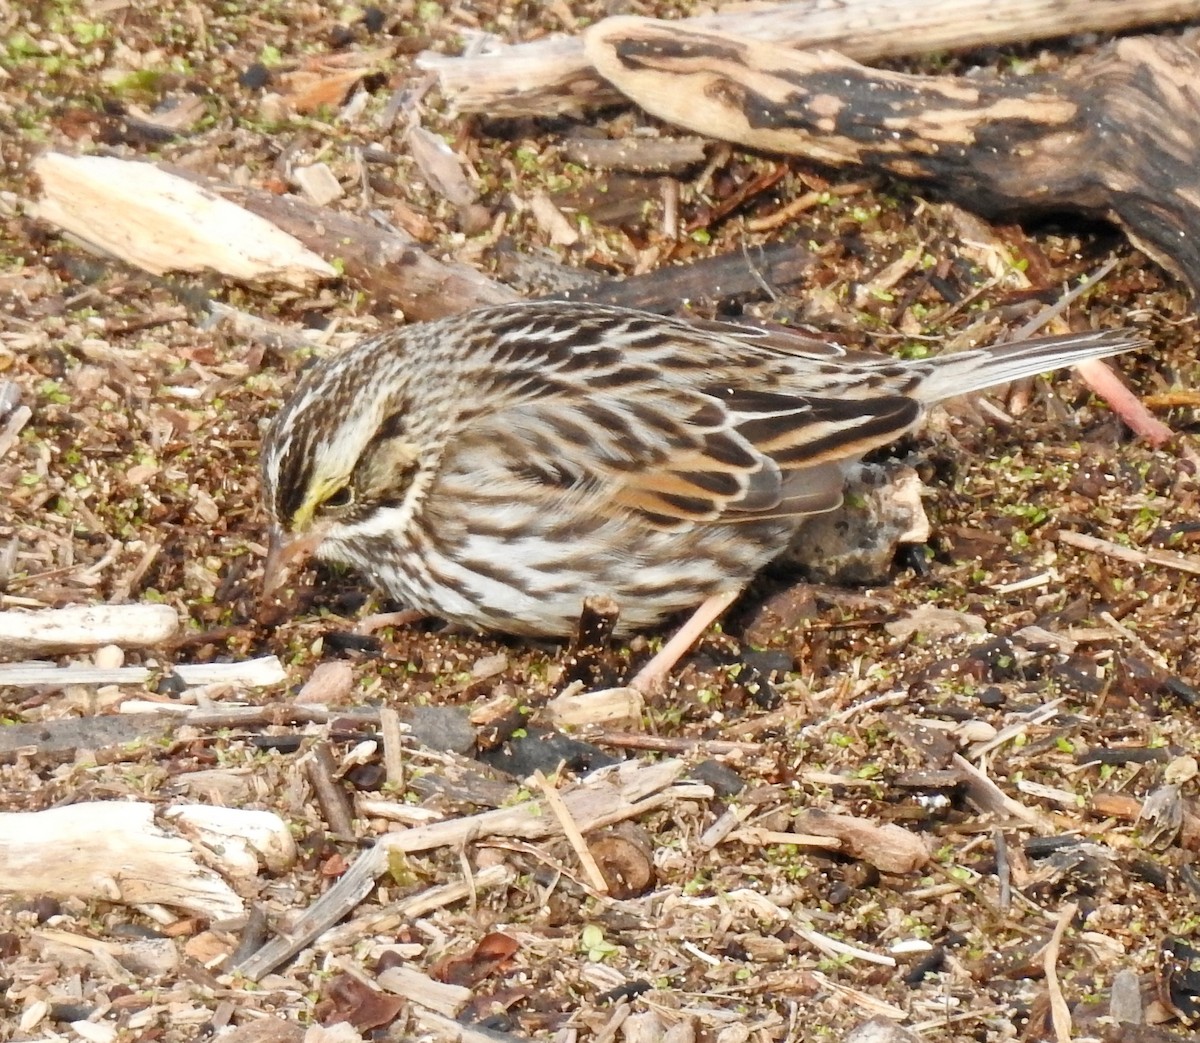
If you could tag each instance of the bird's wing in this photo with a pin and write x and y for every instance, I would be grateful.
(654, 426)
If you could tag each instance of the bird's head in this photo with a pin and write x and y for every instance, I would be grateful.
(347, 457)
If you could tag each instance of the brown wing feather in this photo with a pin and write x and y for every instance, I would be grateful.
(684, 424)
(660, 467)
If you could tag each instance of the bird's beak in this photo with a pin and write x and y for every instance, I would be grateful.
(283, 553)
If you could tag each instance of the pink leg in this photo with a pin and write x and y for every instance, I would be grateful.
(369, 624)
(651, 676)
(1097, 376)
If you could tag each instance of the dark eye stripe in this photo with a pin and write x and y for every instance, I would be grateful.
(295, 476)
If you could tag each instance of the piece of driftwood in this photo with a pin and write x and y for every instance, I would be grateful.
(175, 219)
(78, 628)
(331, 797)
(239, 840)
(318, 183)
(1169, 559)
(442, 1029)
(441, 167)
(672, 744)
(261, 672)
(418, 904)
(992, 800)
(396, 270)
(752, 271)
(442, 997)
(254, 673)
(1130, 809)
(113, 851)
(148, 217)
(888, 847)
(1113, 136)
(554, 75)
(603, 799)
(36, 672)
(383, 260)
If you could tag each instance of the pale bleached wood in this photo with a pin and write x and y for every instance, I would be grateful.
(888, 847)
(150, 218)
(605, 706)
(415, 906)
(112, 851)
(992, 800)
(78, 628)
(1168, 559)
(442, 997)
(34, 673)
(245, 837)
(553, 75)
(447, 1030)
(250, 673)
(572, 832)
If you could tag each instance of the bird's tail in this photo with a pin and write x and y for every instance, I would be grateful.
(961, 372)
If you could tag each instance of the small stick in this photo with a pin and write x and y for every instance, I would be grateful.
(403, 618)
(805, 201)
(123, 588)
(990, 797)
(330, 796)
(393, 747)
(835, 948)
(13, 427)
(571, 831)
(733, 816)
(666, 744)
(1060, 1013)
(1168, 559)
(754, 836)
(1003, 869)
(77, 628)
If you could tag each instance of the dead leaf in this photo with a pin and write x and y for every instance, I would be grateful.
(491, 954)
(349, 1000)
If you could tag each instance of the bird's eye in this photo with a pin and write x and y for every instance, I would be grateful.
(342, 498)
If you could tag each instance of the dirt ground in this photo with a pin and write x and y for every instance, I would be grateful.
(1014, 736)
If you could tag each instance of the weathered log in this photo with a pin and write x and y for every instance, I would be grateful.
(1113, 136)
(176, 220)
(553, 75)
(387, 262)
(716, 278)
(116, 851)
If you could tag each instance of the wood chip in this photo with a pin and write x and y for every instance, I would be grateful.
(318, 183)
(440, 166)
